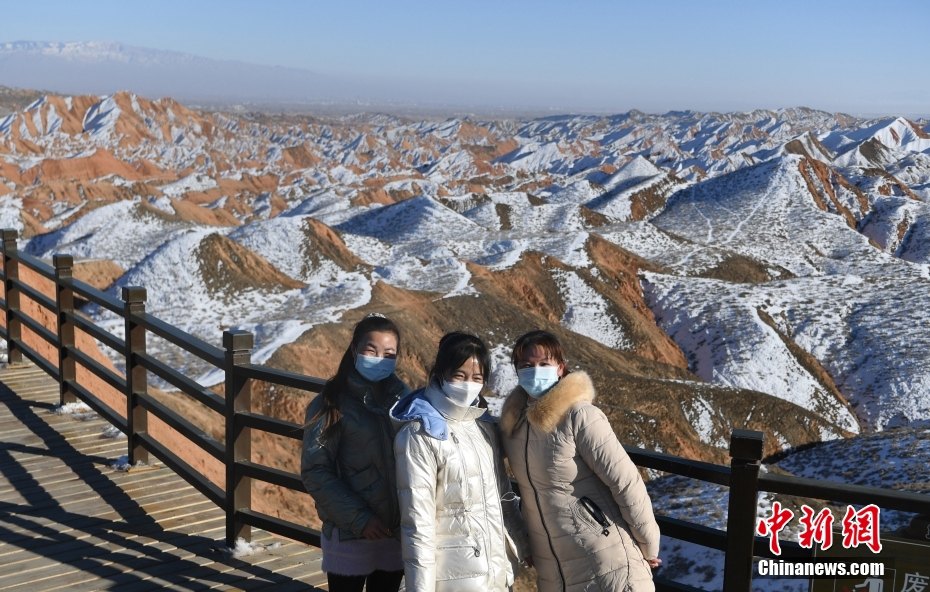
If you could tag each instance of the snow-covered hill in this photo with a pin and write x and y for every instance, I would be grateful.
(836, 309)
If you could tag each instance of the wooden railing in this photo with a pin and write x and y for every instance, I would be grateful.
(234, 409)
(742, 476)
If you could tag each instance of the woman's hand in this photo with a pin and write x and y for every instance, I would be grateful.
(375, 529)
(654, 562)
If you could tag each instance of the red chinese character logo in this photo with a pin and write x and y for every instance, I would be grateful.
(862, 528)
(773, 525)
(817, 528)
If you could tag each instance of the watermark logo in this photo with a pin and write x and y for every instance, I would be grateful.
(860, 527)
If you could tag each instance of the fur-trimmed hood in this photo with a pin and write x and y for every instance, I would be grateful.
(574, 388)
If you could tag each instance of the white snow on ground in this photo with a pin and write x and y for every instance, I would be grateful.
(63, 212)
(764, 212)
(6, 124)
(446, 275)
(282, 241)
(615, 192)
(451, 166)
(192, 182)
(534, 157)
(701, 417)
(121, 464)
(10, 208)
(120, 231)
(111, 432)
(894, 459)
(100, 120)
(758, 212)
(329, 206)
(163, 204)
(575, 190)
(546, 218)
(245, 548)
(177, 294)
(503, 377)
(727, 342)
(411, 219)
(586, 311)
(720, 328)
(77, 410)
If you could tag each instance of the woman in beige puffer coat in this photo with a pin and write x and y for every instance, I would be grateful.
(590, 519)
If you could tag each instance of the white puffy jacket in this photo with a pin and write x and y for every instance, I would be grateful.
(453, 535)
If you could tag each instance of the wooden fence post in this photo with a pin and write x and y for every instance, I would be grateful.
(238, 345)
(14, 327)
(64, 304)
(746, 457)
(136, 377)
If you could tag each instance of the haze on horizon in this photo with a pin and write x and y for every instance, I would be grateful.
(600, 56)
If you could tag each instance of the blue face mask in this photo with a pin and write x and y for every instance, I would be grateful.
(374, 369)
(537, 380)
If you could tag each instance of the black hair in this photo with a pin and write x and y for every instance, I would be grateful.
(455, 349)
(544, 339)
(336, 385)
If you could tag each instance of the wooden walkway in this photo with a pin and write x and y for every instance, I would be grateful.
(68, 521)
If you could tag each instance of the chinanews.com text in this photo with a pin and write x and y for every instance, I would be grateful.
(820, 568)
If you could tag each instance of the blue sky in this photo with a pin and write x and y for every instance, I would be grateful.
(859, 57)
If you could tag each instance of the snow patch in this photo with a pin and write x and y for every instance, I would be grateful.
(244, 548)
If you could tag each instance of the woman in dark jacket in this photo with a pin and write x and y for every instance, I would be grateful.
(347, 464)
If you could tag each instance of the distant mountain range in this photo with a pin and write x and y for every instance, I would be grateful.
(102, 68)
(105, 68)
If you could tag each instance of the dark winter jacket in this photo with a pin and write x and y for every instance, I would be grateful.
(349, 469)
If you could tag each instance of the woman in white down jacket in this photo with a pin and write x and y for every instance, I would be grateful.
(451, 480)
(590, 520)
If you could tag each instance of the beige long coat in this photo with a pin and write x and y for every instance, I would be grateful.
(590, 519)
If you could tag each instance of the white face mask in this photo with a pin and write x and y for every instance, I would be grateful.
(462, 394)
(537, 380)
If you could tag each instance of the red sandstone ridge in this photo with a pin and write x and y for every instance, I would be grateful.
(83, 168)
(227, 268)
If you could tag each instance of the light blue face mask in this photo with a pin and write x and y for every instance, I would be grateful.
(537, 380)
(374, 369)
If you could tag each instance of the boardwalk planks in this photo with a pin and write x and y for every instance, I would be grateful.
(68, 521)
